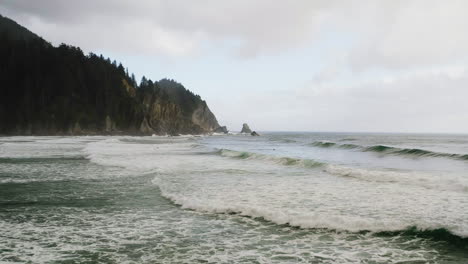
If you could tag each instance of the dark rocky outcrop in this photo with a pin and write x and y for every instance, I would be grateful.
(47, 90)
(171, 109)
(221, 129)
(246, 129)
(254, 133)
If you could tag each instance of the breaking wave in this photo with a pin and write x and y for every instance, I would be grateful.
(419, 179)
(414, 152)
(436, 234)
(274, 159)
(315, 221)
(323, 144)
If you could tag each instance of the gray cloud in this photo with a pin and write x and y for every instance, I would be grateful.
(412, 43)
(402, 34)
(386, 34)
(174, 27)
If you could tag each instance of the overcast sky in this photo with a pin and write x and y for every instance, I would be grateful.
(380, 66)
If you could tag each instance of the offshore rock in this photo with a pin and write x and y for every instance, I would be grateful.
(254, 134)
(246, 129)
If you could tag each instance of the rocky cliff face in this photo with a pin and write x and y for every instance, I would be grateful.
(165, 114)
(166, 117)
(204, 118)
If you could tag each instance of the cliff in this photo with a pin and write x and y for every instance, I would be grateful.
(170, 108)
(50, 90)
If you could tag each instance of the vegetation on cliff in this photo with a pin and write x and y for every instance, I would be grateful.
(60, 90)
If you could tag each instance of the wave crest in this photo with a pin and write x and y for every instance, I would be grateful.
(383, 149)
(287, 161)
(323, 144)
(337, 223)
(419, 179)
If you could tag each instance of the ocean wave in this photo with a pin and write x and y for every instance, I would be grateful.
(413, 178)
(323, 144)
(383, 149)
(331, 222)
(436, 234)
(288, 161)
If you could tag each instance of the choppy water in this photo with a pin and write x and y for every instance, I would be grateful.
(278, 198)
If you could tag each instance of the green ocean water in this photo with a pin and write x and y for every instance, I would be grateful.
(230, 199)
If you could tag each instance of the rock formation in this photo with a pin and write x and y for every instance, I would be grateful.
(221, 129)
(172, 116)
(246, 129)
(254, 133)
(145, 128)
(204, 118)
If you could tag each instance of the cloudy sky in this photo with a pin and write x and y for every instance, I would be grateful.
(380, 66)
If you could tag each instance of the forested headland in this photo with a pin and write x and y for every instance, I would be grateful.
(47, 90)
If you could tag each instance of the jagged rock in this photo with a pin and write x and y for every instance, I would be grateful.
(221, 129)
(254, 133)
(145, 128)
(246, 129)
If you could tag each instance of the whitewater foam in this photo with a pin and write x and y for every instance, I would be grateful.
(256, 204)
(421, 179)
(301, 219)
(260, 185)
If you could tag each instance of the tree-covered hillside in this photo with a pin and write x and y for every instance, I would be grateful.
(60, 90)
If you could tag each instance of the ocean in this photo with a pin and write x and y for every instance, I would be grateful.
(278, 198)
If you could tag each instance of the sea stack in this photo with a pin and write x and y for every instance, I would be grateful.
(246, 129)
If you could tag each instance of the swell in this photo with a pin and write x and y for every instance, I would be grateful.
(287, 161)
(411, 178)
(436, 234)
(383, 149)
(332, 223)
(323, 144)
